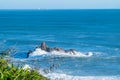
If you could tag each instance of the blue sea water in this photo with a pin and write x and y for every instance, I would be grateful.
(96, 31)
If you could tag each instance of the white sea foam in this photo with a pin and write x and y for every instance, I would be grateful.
(116, 49)
(26, 66)
(61, 76)
(39, 52)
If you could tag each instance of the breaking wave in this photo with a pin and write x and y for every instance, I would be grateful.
(39, 52)
(62, 76)
(55, 76)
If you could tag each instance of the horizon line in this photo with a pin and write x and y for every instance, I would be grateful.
(65, 9)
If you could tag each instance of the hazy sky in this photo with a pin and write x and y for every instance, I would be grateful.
(60, 4)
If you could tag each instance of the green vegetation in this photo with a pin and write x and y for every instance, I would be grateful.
(10, 72)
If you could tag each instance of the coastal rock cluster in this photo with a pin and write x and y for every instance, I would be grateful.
(48, 49)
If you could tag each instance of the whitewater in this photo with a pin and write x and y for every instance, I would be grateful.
(94, 34)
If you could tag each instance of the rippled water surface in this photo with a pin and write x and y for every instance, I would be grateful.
(96, 31)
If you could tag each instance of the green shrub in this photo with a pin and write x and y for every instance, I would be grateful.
(10, 72)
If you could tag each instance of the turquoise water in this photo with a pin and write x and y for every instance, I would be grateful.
(96, 31)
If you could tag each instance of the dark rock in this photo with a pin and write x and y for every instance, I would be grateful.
(56, 49)
(49, 49)
(59, 49)
(66, 51)
(72, 51)
(44, 46)
(29, 52)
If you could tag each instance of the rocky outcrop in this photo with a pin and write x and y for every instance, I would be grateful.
(44, 46)
(29, 52)
(48, 49)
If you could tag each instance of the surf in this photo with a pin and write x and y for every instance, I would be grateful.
(44, 50)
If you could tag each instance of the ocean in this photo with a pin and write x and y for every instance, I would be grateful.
(87, 31)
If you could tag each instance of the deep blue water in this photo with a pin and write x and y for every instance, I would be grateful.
(96, 31)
